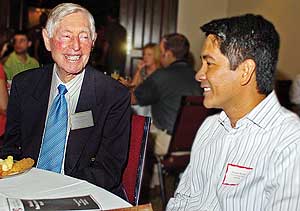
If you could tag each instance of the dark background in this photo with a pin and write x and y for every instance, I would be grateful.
(99, 8)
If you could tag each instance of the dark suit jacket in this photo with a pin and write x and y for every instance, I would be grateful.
(96, 154)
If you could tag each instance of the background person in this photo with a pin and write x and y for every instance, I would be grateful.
(93, 140)
(116, 36)
(19, 60)
(247, 157)
(164, 88)
(39, 50)
(163, 91)
(3, 102)
(145, 67)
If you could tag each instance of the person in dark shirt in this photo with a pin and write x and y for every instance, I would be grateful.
(116, 36)
(164, 88)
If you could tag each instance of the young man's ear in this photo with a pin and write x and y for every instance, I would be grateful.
(248, 68)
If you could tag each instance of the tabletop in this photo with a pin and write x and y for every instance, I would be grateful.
(42, 184)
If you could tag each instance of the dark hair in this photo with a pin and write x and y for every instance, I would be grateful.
(248, 37)
(43, 19)
(23, 32)
(178, 44)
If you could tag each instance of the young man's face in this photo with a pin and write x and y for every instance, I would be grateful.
(21, 44)
(220, 83)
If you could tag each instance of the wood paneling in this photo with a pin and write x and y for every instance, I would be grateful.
(146, 21)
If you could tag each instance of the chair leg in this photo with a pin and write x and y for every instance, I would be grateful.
(161, 183)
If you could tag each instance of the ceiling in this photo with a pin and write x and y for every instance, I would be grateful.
(86, 3)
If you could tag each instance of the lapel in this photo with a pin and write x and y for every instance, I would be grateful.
(78, 138)
(39, 103)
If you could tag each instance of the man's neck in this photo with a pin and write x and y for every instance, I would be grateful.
(22, 57)
(237, 112)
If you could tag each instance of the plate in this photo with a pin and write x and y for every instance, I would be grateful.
(16, 173)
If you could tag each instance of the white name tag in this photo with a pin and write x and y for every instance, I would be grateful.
(82, 120)
(235, 173)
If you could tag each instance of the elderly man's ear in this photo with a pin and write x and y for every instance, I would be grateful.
(46, 39)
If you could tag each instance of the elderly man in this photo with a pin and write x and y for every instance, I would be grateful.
(69, 117)
(247, 157)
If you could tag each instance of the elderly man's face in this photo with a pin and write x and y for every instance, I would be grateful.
(220, 84)
(71, 44)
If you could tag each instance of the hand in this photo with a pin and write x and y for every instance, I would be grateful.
(141, 64)
(125, 82)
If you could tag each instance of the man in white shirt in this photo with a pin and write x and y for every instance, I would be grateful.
(247, 157)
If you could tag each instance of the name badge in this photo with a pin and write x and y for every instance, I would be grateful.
(82, 120)
(235, 173)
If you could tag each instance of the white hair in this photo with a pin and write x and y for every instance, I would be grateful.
(64, 9)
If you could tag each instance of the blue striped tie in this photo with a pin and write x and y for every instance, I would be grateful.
(53, 146)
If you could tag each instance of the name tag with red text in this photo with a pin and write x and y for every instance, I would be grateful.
(235, 173)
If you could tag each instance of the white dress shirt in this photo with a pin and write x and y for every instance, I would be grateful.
(72, 96)
(254, 166)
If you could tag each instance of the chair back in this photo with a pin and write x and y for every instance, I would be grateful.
(132, 176)
(190, 116)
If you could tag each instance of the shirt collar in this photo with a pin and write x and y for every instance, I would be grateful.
(18, 60)
(69, 85)
(258, 115)
(266, 108)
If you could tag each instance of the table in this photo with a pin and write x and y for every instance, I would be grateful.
(41, 184)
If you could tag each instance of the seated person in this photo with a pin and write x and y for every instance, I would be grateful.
(67, 116)
(247, 157)
(3, 102)
(145, 67)
(19, 60)
(164, 89)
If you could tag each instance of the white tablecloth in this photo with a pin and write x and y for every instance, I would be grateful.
(41, 184)
(142, 110)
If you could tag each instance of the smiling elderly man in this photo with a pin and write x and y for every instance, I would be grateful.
(69, 117)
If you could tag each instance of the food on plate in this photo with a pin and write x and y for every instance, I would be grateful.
(7, 163)
(9, 166)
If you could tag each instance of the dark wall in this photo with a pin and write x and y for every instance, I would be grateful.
(12, 14)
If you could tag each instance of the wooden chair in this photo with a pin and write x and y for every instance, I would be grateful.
(132, 176)
(190, 117)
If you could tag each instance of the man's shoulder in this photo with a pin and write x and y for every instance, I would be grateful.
(10, 58)
(289, 119)
(32, 73)
(33, 60)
